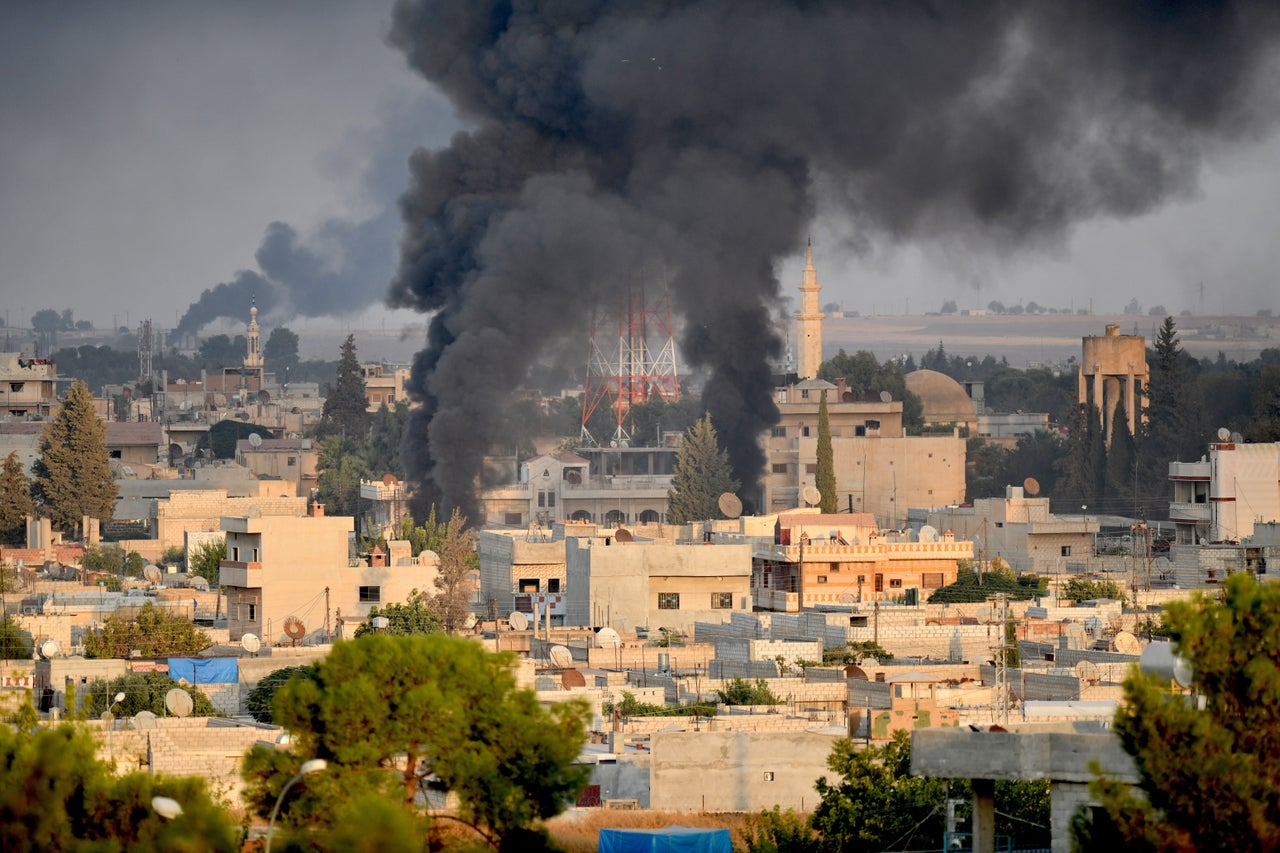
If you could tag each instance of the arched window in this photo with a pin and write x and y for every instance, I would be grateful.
(581, 515)
(614, 517)
(650, 516)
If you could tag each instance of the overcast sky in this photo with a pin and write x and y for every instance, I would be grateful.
(147, 145)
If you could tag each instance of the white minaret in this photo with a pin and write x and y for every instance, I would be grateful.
(253, 356)
(809, 319)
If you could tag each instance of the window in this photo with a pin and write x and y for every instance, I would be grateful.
(873, 425)
(291, 461)
(895, 583)
(553, 584)
(822, 578)
(804, 430)
(804, 393)
(514, 518)
(15, 387)
(253, 611)
(551, 499)
(668, 601)
(779, 467)
(721, 601)
(528, 584)
(542, 499)
(810, 467)
(779, 432)
(370, 593)
(1066, 550)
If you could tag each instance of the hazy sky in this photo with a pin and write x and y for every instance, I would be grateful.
(147, 145)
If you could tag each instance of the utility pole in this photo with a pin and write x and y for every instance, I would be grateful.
(1003, 694)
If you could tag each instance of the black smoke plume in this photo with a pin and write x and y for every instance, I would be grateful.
(343, 266)
(706, 134)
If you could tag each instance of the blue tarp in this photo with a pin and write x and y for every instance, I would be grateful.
(669, 839)
(205, 670)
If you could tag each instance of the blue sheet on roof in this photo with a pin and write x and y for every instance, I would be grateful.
(204, 670)
(669, 839)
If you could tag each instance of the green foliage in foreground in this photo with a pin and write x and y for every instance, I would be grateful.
(1210, 777)
(402, 717)
(54, 795)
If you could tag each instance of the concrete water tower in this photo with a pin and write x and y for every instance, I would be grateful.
(1113, 368)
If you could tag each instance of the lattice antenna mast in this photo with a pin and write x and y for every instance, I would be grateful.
(146, 348)
(621, 366)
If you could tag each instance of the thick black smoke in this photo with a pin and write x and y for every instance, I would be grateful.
(343, 266)
(700, 134)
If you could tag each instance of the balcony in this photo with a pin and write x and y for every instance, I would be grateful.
(1184, 511)
(240, 573)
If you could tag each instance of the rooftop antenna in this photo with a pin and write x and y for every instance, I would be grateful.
(730, 505)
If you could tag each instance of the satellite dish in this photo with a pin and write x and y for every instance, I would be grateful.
(254, 511)
(294, 628)
(518, 621)
(1237, 438)
(847, 598)
(199, 583)
(1087, 671)
(389, 480)
(1182, 671)
(144, 720)
(561, 656)
(730, 505)
(469, 622)
(264, 396)
(1031, 486)
(1127, 644)
(811, 496)
(250, 643)
(50, 649)
(624, 535)
(179, 702)
(151, 573)
(886, 397)
(255, 440)
(1224, 434)
(607, 638)
(571, 678)
(928, 534)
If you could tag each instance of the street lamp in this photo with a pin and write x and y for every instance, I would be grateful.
(167, 807)
(315, 765)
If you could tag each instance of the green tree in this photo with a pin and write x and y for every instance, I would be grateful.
(740, 692)
(15, 643)
(15, 501)
(72, 477)
(458, 560)
(155, 633)
(413, 616)
(1173, 430)
(429, 712)
(219, 351)
(103, 558)
(280, 352)
(1209, 775)
(55, 795)
(346, 408)
(340, 468)
(143, 691)
(205, 561)
(776, 831)
(1083, 589)
(259, 701)
(702, 473)
(826, 468)
(382, 450)
(46, 322)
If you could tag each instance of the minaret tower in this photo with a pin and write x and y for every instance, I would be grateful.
(809, 319)
(253, 357)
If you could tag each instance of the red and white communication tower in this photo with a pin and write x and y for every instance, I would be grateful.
(632, 360)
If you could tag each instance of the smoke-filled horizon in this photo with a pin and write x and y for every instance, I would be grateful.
(705, 135)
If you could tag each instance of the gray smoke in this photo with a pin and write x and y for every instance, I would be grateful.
(342, 267)
(700, 134)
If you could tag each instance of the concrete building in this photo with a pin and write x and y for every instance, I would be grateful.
(838, 561)
(384, 385)
(28, 386)
(809, 321)
(23, 438)
(286, 574)
(605, 485)
(1113, 371)
(648, 583)
(514, 567)
(293, 461)
(879, 469)
(1021, 531)
(1221, 497)
(137, 443)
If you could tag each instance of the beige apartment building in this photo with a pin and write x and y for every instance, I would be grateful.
(28, 387)
(289, 579)
(879, 468)
(292, 461)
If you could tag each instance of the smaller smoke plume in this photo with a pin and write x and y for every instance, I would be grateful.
(344, 265)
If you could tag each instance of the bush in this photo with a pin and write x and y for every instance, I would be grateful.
(143, 691)
(1084, 589)
(739, 692)
(260, 697)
